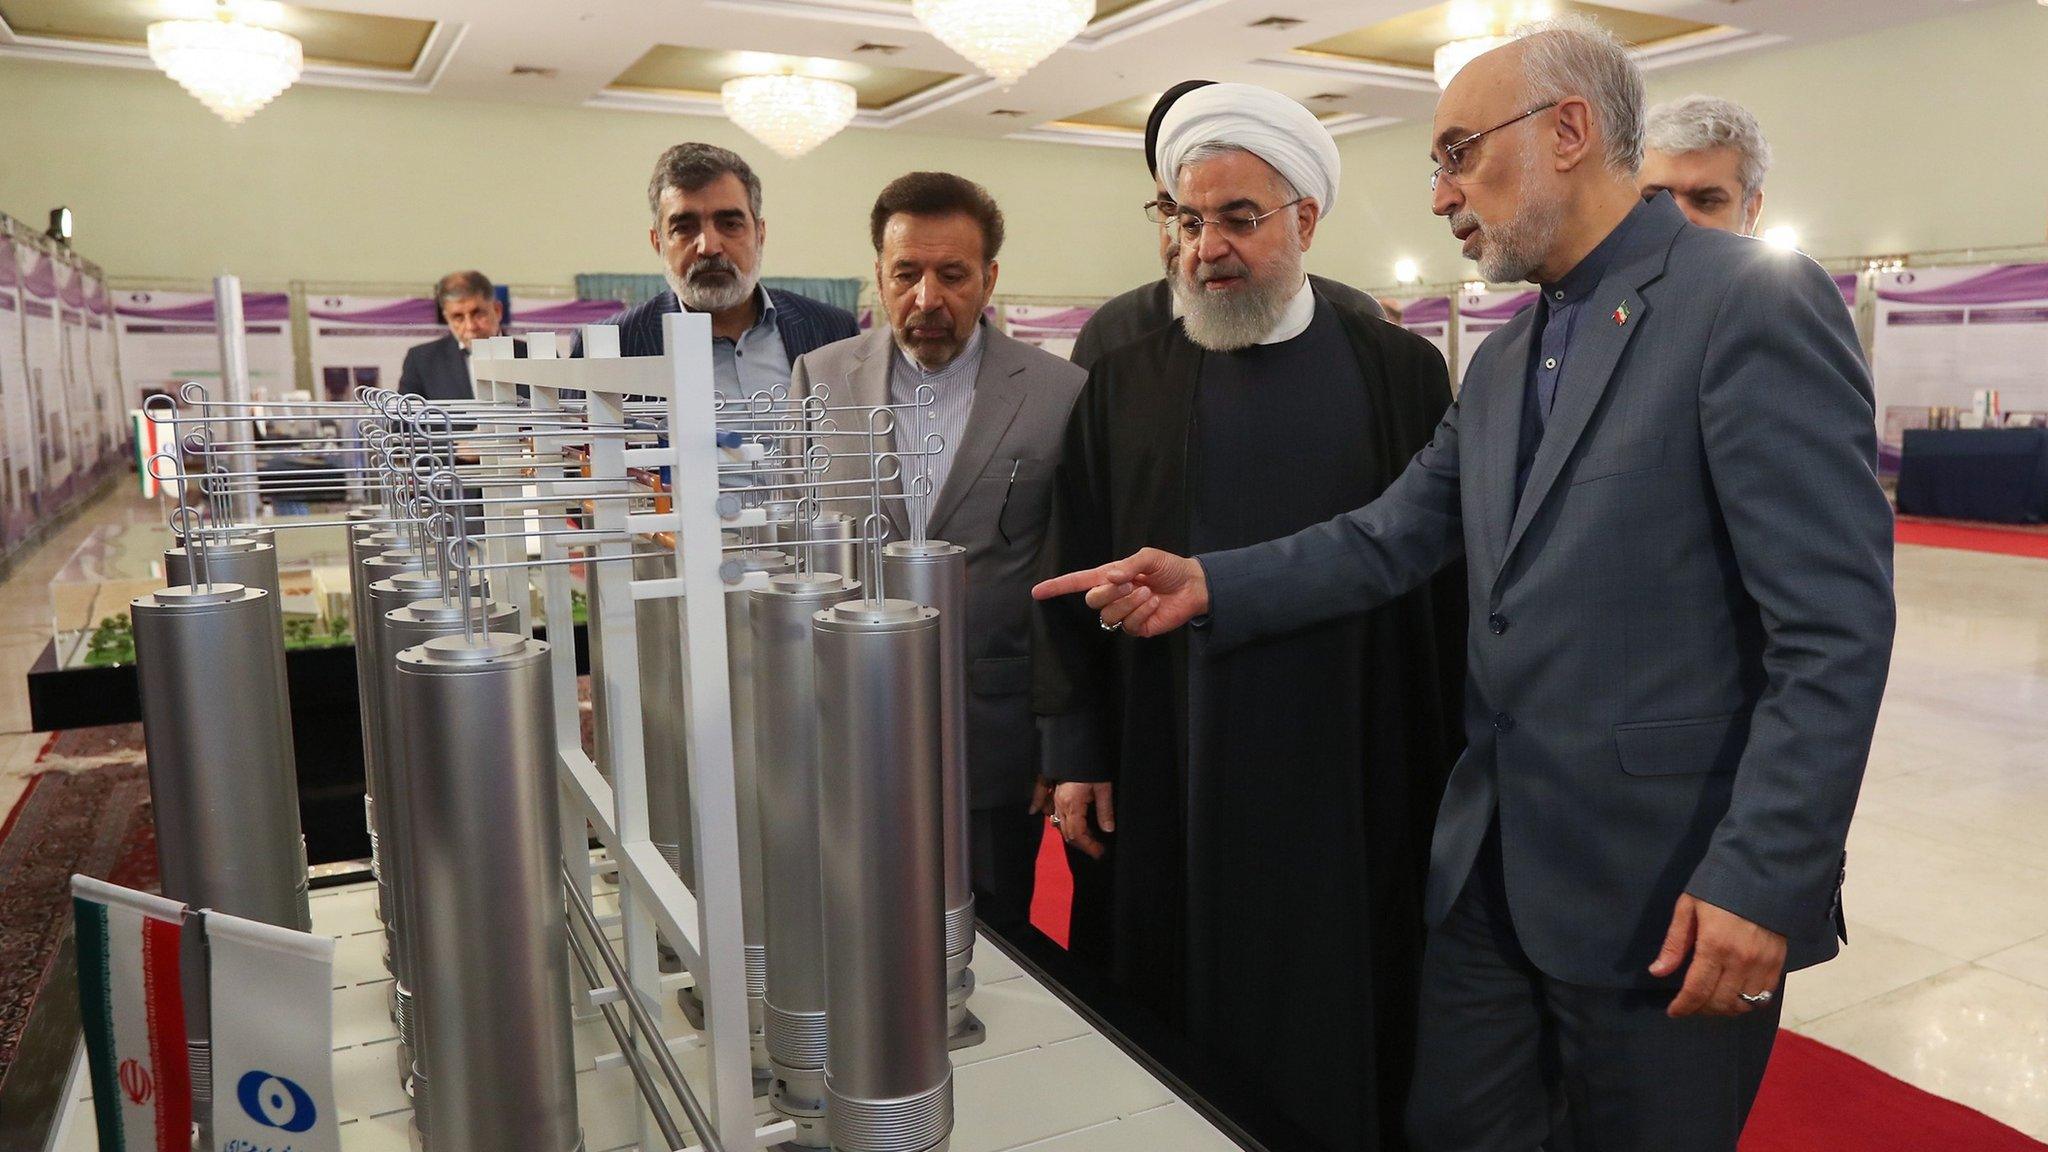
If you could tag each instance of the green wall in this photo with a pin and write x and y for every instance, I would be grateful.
(1928, 136)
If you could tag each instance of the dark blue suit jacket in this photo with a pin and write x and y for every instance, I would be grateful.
(1679, 635)
(803, 323)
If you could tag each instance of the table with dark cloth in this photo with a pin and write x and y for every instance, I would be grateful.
(1992, 474)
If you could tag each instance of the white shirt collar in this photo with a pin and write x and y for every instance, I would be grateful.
(1301, 309)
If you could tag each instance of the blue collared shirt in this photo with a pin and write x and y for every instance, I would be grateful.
(1559, 308)
(757, 361)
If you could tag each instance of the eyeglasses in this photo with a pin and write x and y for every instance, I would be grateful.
(1161, 211)
(1454, 158)
(1237, 225)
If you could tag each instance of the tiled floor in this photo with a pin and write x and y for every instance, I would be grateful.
(1945, 982)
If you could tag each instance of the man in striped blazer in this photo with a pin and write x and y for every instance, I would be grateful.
(709, 232)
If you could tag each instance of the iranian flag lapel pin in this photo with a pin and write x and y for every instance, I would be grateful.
(1621, 314)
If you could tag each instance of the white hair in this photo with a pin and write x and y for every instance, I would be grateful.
(1573, 56)
(1697, 123)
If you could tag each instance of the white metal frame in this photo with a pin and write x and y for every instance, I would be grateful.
(703, 927)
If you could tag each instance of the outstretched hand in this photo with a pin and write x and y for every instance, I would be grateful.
(1149, 593)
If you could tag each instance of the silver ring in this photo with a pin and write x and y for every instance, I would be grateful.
(1106, 626)
(1763, 997)
(1055, 818)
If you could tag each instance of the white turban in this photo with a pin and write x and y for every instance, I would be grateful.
(1273, 127)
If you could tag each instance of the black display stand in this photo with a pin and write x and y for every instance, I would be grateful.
(326, 730)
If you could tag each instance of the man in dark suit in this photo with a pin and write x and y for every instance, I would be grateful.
(709, 233)
(1148, 308)
(1662, 480)
(439, 369)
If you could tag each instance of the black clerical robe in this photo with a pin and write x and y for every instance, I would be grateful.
(1278, 923)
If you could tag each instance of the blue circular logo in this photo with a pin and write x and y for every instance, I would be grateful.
(275, 1102)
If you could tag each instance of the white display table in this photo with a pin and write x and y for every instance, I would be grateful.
(1044, 1079)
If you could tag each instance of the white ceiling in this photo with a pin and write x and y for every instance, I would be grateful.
(1141, 50)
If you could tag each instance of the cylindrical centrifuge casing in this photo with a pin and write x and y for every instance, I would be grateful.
(391, 604)
(222, 777)
(372, 667)
(888, 1080)
(739, 670)
(494, 955)
(238, 560)
(934, 574)
(786, 772)
(658, 632)
(365, 542)
(830, 547)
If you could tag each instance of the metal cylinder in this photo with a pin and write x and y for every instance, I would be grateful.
(372, 667)
(411, 609)
(223, 784)
(888, 1080)
(365, 542)
(494, 960)
(786, 776)
(658, 632)
(830, 546)
(236, 560)
(934, 573)
(386, 598)
(739, 670)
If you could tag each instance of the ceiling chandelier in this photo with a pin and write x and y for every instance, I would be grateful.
(790, 114)
(1004, 38)
(1479, 26)
(231, 67)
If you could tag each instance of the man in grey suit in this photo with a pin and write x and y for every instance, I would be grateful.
(1662, 479)
(1000, 407)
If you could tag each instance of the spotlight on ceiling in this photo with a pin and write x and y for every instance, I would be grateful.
(60, 225)
(1406, 271)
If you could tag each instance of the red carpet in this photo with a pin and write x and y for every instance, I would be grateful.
(2006, 540)
(86, 811)
(1814, 1098)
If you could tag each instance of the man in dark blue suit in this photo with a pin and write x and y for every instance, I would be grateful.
(709, 232)
(439, 369)
(1662, 480)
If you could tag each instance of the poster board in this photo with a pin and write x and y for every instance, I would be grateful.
(1944, 333)
(43, 358)
(1481, 313)
(1428, 317)
(103, 353)
(20, 476)
(169, 337)
(89, 436)
(565, 318)
(362, 340)
(1052, 327)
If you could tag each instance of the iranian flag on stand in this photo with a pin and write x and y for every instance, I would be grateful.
(134, 1016)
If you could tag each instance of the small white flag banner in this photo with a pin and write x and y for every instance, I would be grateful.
(133, 1010)
(273, 1037)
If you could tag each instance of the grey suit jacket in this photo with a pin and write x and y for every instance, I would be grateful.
(1680, 635)
(436, 370)
(995, 503)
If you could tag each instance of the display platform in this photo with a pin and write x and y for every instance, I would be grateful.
(1997, 475)
(1045, 1078)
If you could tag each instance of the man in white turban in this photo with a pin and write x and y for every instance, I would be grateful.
(1265, 812)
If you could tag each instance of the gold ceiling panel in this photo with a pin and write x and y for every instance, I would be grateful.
(668, 68)
(1411, 40)
(344, 39)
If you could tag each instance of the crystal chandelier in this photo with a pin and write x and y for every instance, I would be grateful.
(231, 67)
(791, 114)
(1004, 38)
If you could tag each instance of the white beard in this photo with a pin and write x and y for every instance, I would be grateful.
(703, 297)
(1239, 318)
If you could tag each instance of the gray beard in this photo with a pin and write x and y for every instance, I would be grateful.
(1230, 321)
(702, 297)
(1516, 248)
